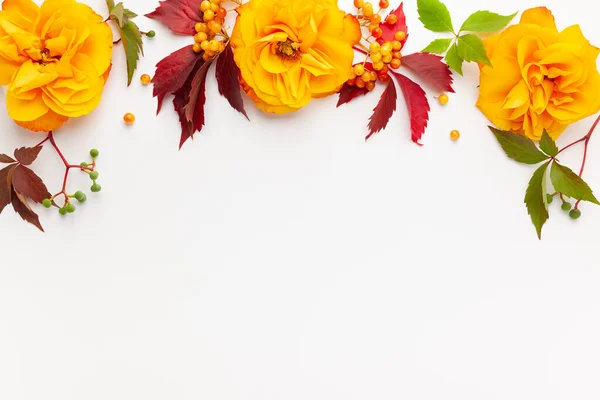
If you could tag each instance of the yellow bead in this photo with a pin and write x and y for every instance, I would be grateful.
(209, 15)
(376, 57)
(145, 79)
(400, 36)
(443, 99)
(197, 48)
(205, 45)
(374, 47)
(366, 76)
(359, 69)
(378, 66)
(214, 45)
(200, 37)
(386, 48)
(205, 6)
(387, 58)
(201, 27)
(216, 27)
(129, 118)
(396, 45)
(454, 135)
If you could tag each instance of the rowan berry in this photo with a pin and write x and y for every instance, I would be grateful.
(129, 118)
(145, 79)
(454, 134)
(443, 99)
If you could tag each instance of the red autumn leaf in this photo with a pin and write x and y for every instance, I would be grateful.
(417, 104)
(227, 73)
(349, 93)
(27, 155)
(27, 183)
(172, 72)
(390, 30)
(6, 186)
(22, 208)
(6, 159)
(180, 16)
(431, 69)
(384, 109)
(187, 128)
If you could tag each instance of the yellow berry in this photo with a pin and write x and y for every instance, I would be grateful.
(360, 83)
(378, 66)
(376, 57)
(359, 3)
(359, 69)
(376, 19)
(368, 9)
(214, 7)
(222, 47)
(454, 134)
(205, 45)
(197, 48)
(205, 6)
(366, 76)
(396, 45)
(443, 99)
(214, 45)
(145, 79)
(200, 37)
(370, 86)
(216, 27)
(374, 47)
(129, 118)
(209, 15)
(400, 36)
(386, 48)
(387, 58)
(201, 27)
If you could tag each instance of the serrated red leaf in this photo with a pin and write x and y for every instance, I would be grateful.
(384, 109)
(27, 155)
(22, 208)
(431, 69)
(180, 16)
(172, 72)
(389, 31)
(349, 93)
(417, 105)
(6, 186)
(27, 183)
(227, 73)
(6, 159)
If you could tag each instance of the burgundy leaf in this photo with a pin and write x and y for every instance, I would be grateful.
(172, 72)
(6, 186)
(349, 93)
(389, 31)
(228, 79)
(187, 128)
(6, 159)
(417, 104)
(431, 69)
(384, 109)
(22, 208)
(27, 183)
(180, 16)
(27, 155)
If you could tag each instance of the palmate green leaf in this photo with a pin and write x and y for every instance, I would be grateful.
(567, 182)
(434, 15)
(547, 145)
(453, 60)
(110, 4)
(438, 46)
(485, 21)
(519, 148)
(117, 13)
(133, 45)
(470, 48)
(535, 199)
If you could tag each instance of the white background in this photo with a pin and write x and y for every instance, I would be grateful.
(287, 259)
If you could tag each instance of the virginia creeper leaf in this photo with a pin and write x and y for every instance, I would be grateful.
(567, 182)
(6, 159)
(110, 4)
(227, 73)
(470, 48)
(518, 147)
(180, 16)
(431, 69)
(27, 155)
(133, 45)
(453, 60)
(27, 183)
(384, 109)
(22, 208)
(535, 199)
(194, 109)
(434, 15)
(117, 13)
(547, 145)
(438, 46)
(417, 105)
(389, 31)
(6, 186)
(349, 93)
(485, 21)
(172, 72)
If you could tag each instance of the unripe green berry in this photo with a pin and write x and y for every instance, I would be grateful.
(84, 164)
(96, 188)
(566, 206)
(82, 199)
(94, 153)
(575, 214)
(79, 195)
(94, 175)
(47, 203)
(549, 198)
(70, 208)
(62, 211)
(151, 34)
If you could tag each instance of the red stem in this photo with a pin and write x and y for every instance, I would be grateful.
(360, 50)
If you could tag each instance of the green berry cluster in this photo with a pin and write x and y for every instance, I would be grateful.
(566, 206)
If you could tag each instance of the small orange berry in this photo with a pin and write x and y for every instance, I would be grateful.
(351, 82)
(370, 85)
(201, 27)
(376, 19)
(396, 45)
(374, 47)
(454, 134)
(369, 76)
(215, 27)
(200, 37)
(359, 69)
(222, 13)
(384, 3)
(377, 32)
(376, 57)
(205, 6)
(197, 48)
(129, 118)
(397, 54)
(391, 19)
(383, 76)
(443, 99)
(209, 15)
(205, 45)
(214, 7)
(368, 9)
(213, 45)
(387, 58)
(222, 47)
(378, 66)
(395, 63)
(145, 79)
(360, 83)
(400, 36)
(385, 69)
(206, 56)
(359, 3)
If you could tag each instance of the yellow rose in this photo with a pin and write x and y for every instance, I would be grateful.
(54, 59)
(289, 51)
(541, 79)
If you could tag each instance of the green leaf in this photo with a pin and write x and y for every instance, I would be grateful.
(434, 15)
(133, 45)
(470, 48)
(547, 145)
(110, 4)
(485, 21)
(518, 147)
(570, 184)
(438, 46)
(117, 13)
(453, 59)
(535, 199)
(129, 14)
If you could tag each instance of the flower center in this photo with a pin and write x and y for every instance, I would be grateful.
(288, 49)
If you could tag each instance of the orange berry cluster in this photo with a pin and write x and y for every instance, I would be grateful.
(213, 16)
(371, 18)
(387, 53)
(364, 78)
